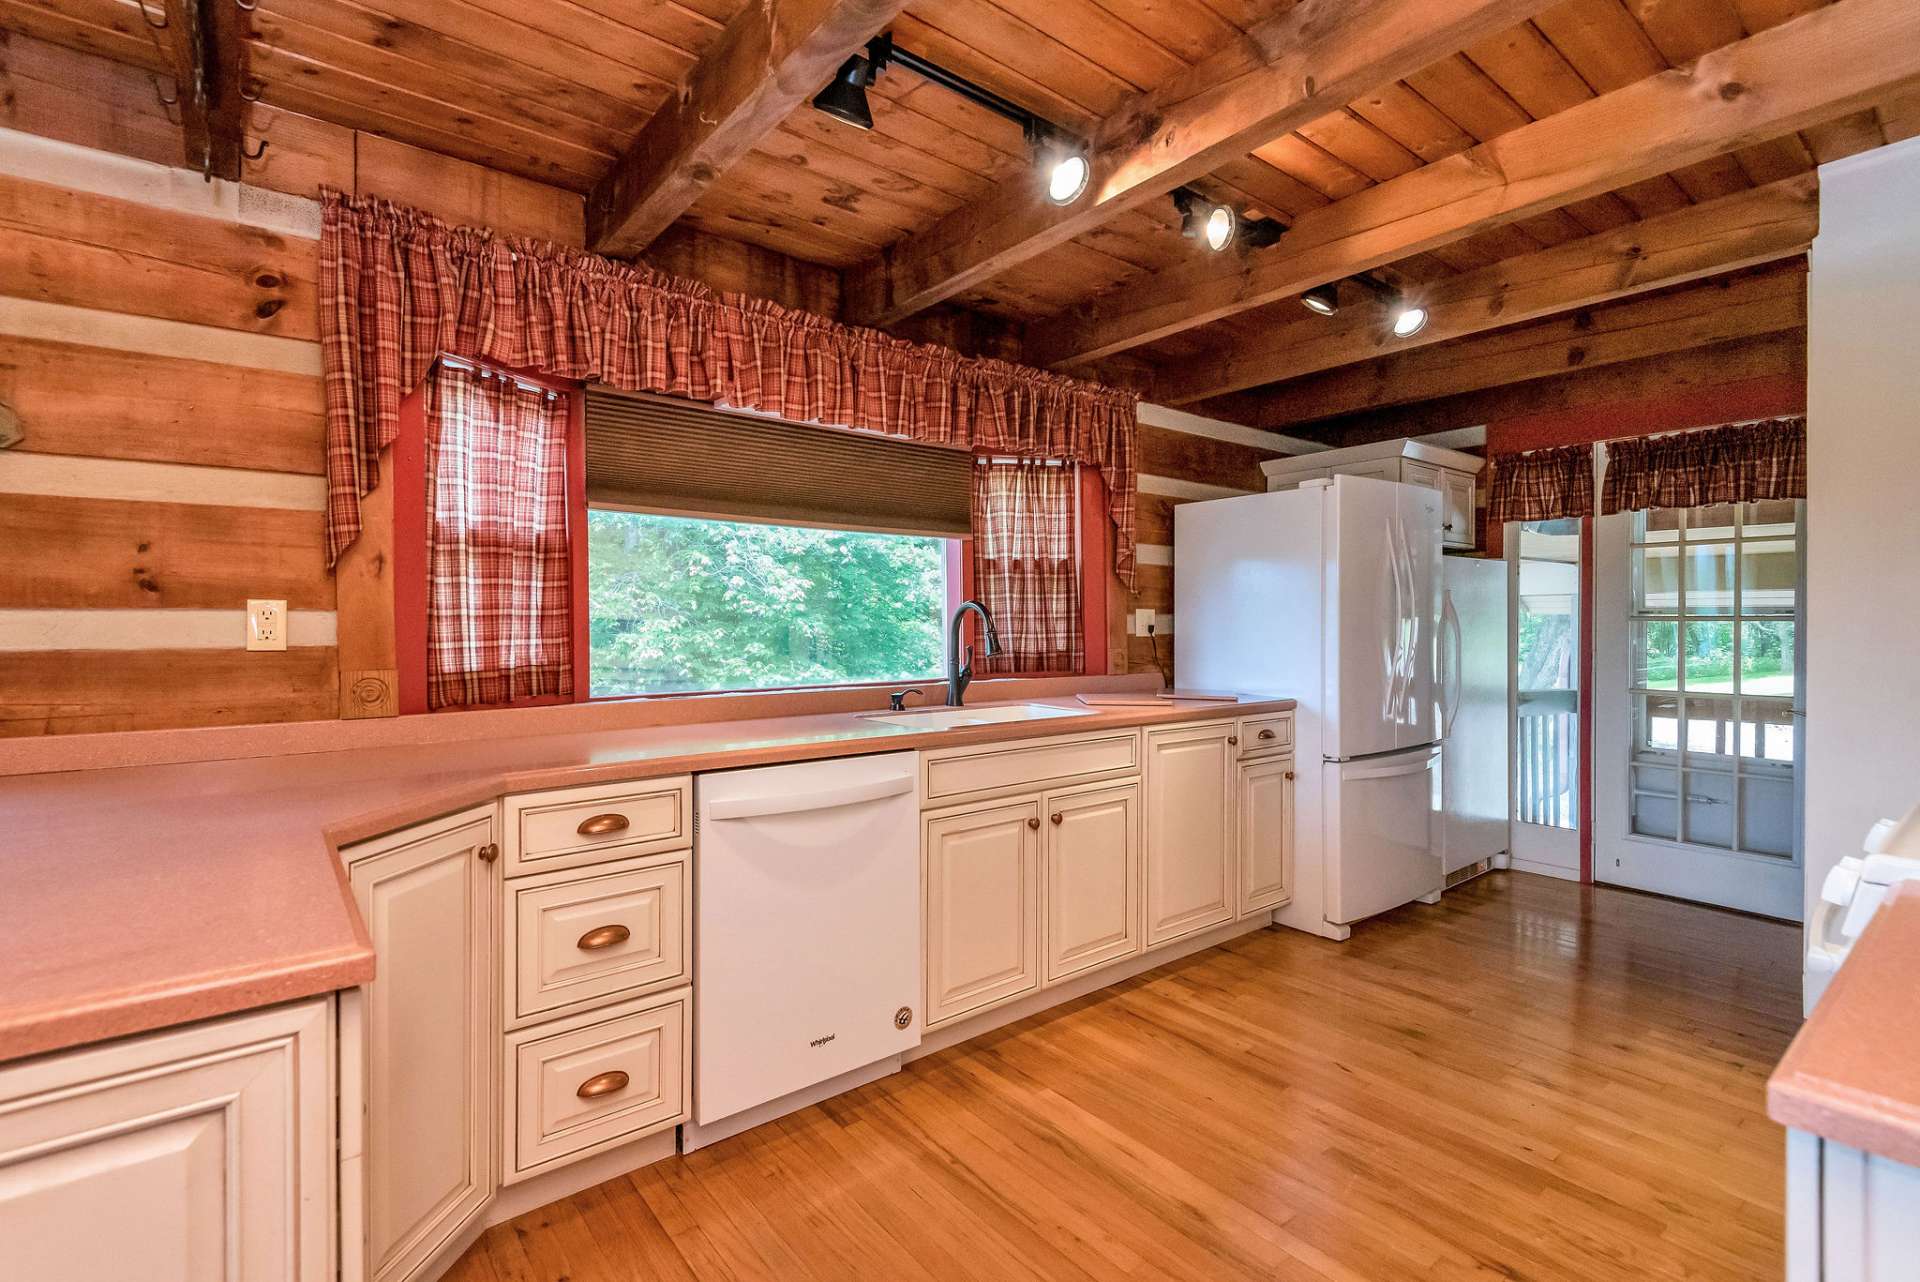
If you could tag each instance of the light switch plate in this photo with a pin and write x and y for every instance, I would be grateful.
(1142, 620)
(266, 625)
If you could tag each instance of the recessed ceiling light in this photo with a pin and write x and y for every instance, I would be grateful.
(1324, 299)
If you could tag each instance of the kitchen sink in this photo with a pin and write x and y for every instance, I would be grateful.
(992, 714)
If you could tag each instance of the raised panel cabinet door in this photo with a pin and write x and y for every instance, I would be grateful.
(1190, 829)
(1266, 834)
(1456, 510)
(982, 926)
(1092, 879)
(429, 898)
(197, 1155)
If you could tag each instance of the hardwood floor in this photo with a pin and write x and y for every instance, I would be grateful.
(1532, 1080)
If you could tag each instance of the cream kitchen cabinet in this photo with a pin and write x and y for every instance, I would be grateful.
(428, 1161)
(1265, 799)
(1092, 879)
(980, 888)
(1191, 828)
(198, 1154)
(1453, 473)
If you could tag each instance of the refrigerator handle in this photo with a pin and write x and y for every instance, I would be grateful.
(1455, 676)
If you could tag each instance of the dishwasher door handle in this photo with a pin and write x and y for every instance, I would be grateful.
(790, 803)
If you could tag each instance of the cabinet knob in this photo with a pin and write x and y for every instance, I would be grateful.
(603, 937)
(601, 825)
(602, 1084)
(488, 853)
(1033, 822)
(1289, 774)
(1266, 734)
(1232, 739)
(1056, 817)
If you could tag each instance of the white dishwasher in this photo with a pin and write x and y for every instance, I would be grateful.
(807, 927)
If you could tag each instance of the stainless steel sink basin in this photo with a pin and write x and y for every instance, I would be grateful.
(991, 714)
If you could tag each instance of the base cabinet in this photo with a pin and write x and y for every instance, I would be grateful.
(1852, 1216)
(201, 1154)
(429, 897)
(1092, 861)
(1191, 829)
(1265, 799)
(981, 889)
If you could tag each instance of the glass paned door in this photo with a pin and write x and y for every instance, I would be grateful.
(1545, 565)
(1699, 716)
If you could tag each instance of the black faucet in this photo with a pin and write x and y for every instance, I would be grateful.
(959, 671)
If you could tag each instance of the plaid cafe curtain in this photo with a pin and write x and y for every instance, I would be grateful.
(499, 621)
(1026, 568)
(1743, 463)
(399, 286)
(1541, 485)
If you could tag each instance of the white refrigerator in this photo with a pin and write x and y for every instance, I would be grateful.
(1331, 594)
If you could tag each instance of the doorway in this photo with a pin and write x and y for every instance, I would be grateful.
(1544, 562)
(1699, 713)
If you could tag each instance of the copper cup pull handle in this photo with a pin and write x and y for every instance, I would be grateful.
(601, 825)
(602, 1084)
(1266, 734)
(603, 937)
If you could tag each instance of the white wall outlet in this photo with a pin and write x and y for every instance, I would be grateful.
(1142, 620)
(266, 625)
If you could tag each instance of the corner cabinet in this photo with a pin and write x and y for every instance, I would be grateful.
(199, 1153)
(425, 1154)
(1191, 828)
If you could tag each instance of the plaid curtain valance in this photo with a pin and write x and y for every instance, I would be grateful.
(1026, 565)
(1740, 464)
(399, 286)
(1541, 485)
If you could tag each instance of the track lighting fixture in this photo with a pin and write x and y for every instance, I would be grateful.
(1061, 159)
(1408, 318)
(1212, 225)
(1322, 299)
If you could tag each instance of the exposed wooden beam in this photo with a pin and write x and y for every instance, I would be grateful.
(771, 58)
(1824, 64)
(206, 42)
(1698, 373)
(1763, 300)
(1287, 71)
(1742, 230)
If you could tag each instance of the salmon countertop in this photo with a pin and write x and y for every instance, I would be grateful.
(1852, 1074)
(143, 895)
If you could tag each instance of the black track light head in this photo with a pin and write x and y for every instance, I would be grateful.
(845, 97)
(1258, 233)
(1214, 226)
(1322, 299)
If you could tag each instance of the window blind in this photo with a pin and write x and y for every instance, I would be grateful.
(656, 454)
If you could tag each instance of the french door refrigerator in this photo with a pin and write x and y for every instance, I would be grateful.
(1330, 594)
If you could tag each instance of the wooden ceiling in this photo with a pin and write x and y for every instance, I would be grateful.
(563, 92)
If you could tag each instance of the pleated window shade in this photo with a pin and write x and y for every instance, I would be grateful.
(655, 454)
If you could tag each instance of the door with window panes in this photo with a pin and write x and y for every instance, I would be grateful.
(1698, 698)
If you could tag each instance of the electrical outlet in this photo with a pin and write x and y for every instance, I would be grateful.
(1142, 620)
(266, 625)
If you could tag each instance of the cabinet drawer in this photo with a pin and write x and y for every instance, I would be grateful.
(611, 931)
(590, 1083)
(570, 827)
(1259, 735)
(966, 774)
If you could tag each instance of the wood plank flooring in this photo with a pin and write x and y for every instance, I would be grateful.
(1532, 1080)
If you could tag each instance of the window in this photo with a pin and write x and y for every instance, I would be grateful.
(1713, 673)
(1547, 672)
(681, 604)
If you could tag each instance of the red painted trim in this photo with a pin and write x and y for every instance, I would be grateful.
(1096, 558)
(1586, 698)
(577, 544)
(409, 481)
(1767, 397)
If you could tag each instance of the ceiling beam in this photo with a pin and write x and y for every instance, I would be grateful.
(1286, 72)
(1742, 230)
(771, 58)
(1824, 64)
(206, 44)
(1763, 300)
